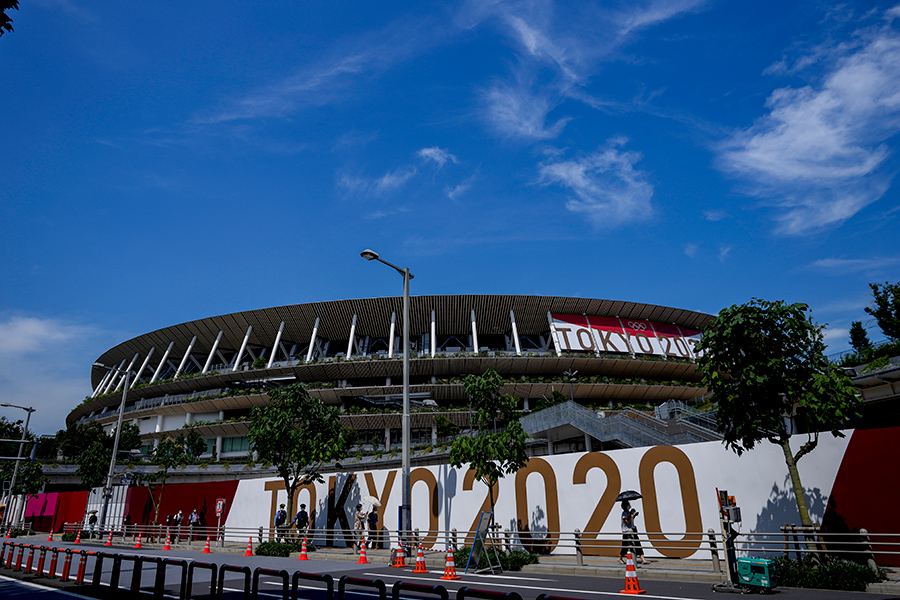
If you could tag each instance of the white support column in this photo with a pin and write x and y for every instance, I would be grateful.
(140, 372)
(184, 358)
(433, 334)
(188, 418)
(275, 345)
(212, 352)
(112, 379)
(312, 341)
(162, 362)
(387, 438)
(474, 334)
(159, 424)
(102, 383)
(553, 334)
(391, 335)
(627, 337)
(433, 434)
(240, 354)
(350, 343)
(515, 332)
(588, 445)
(218, 447)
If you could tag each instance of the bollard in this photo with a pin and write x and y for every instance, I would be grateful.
(714, 551)
(867, 550)
(221, 537)
(9, 557)
(260, 535)
(18, 566)
(453, 538)
(82, 564)
(579, 555)
(41, 557)
(507, 543)
(31, 550)
(67, 566)
(53, 559)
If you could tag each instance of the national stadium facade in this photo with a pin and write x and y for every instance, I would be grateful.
(601, 354)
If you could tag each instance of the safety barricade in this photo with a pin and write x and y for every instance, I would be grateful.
(358, 581)
(6, 546)
(67, 566)
(213, 572)
(421, 588)
(465, 592)
(281, 573)
(98, 568)
(325, 578)
(162, 566)
(232, 569)
(19, 558)
(137, 571)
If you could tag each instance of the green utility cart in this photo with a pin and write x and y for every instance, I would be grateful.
(757, 573)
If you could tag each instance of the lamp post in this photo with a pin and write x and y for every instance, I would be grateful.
(107, 490)
(405, 505)
(12, 483)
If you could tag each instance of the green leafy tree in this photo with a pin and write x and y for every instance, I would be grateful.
(886, 309)
(297, 434)
(859, 340)
(91, 448)
(168, 455)
(194, 445)
(30, 478)
(492, 451)
(5, 21)
(764, 364)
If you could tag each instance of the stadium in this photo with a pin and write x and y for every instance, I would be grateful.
(607, 357)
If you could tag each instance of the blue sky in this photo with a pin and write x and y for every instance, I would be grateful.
(168, 161)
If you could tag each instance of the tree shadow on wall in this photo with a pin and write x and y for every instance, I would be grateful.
(781, 509)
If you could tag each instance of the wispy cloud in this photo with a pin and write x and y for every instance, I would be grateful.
(515, 110)
(454, 192)
(724, 251)
(818, 152)
(607, 186)
(438, 155)
(715, 215)
(690, 250)
(857, 265)
(378, 186)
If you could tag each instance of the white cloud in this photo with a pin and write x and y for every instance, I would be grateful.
(516, 111)
(855, 265)
(380, 186)
(724, 251)
(690, 250)
(608, 189)
(394, 180)
(715, 215)
(45, 364)
(438, 155)
(819, 150)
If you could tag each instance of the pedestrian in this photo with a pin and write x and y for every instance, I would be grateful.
(301, 521)
(630, 541)
(176, 523)
(372, 518)
(280, 520)
(92, 523)
(194, 522)
(359, 526)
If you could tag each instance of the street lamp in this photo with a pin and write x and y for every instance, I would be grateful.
(12, 483)
(405, 505)
(107, 490)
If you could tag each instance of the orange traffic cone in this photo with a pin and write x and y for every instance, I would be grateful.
(631, 581)
(249, 551)
(303, 555)
(450, 567)
(420, 562)
(138, 545)
(400, 561)
(206, 549)
(50, 537)
(362, 554)
(168, 545)
(77, 537)
(109, 540)
(8, 533)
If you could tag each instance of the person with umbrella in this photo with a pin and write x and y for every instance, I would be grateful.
(630, 541)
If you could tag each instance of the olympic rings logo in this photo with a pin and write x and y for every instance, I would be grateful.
(637, 325)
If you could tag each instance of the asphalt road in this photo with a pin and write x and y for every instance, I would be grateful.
(528, 586)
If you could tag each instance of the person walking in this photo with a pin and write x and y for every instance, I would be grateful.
(359, 526)
(176, 523)
(301, 521)
(630, 541)
(280, 521)
(372, 518)
(194, 522)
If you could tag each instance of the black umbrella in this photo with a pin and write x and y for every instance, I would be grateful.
(628, 495)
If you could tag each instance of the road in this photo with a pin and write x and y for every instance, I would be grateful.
(528, 586)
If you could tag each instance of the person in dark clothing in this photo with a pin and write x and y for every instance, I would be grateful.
(301, 522)
(372, 518)
(630, 541)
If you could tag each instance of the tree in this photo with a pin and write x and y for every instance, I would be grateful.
(297, 434)
(887, 308)
(490, 452)
(91, 447)
(30, 478)
(5, 21)
(169, 454)
(764, 364)
(859, 340)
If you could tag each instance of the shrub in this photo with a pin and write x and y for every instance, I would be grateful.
(70, 537)
(833, 575)
(283, 549)
(511, 561)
